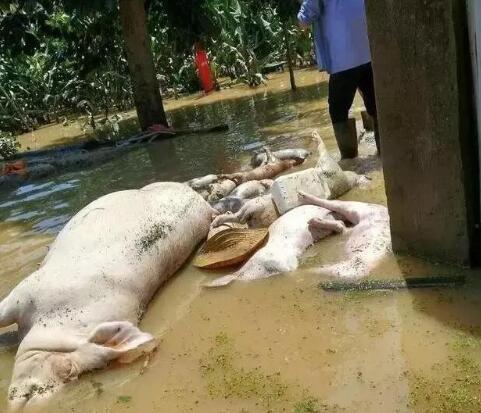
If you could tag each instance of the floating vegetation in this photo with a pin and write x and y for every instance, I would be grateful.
(464, 341)
(309, 405)
(458, 392)
(431, 395)
(226, 380)
(124, 399)
(395, 284)
(98, 387)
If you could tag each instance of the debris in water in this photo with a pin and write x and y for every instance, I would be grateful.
(124, 399)
(412, 282)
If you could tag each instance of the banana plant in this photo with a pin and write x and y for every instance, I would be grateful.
(54, 56)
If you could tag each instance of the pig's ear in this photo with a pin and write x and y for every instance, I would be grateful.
(122, 340)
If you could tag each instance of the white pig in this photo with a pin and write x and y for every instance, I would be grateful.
(80, 309)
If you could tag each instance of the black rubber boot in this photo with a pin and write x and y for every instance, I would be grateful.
(346, 137)
(377, 137)
(367, 121)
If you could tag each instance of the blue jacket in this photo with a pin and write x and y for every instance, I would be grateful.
(340, 33)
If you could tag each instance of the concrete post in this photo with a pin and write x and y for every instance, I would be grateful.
(423, 84)
(474, 26)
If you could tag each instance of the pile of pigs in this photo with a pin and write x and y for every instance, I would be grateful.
(80, 310)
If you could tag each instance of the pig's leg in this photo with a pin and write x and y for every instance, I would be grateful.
(350, 211)
(241, 216)
(259, 266)
(254, 269)
(221, 282)
(225, 218)
(7, 312)
(270, 158)
(331, 225)
(321, 228)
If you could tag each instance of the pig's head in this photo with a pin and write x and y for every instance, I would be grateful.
(38, 374)
(49, 360)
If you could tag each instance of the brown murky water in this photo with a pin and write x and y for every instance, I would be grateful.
(277, 345)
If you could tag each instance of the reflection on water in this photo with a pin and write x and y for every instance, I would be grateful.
(278, 345)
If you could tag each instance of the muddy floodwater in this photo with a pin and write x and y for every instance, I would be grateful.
(276, 345)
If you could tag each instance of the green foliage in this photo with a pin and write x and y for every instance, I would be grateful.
(173, 57)
(247, 38)
(8, 145)
(74, 57)
(55, 54)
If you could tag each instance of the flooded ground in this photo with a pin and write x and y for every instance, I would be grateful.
(59, 134)
(278, 345)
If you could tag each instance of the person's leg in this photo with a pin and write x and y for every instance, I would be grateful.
(366, 87)
(342, 88)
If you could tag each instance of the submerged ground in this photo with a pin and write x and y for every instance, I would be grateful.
(279, 345)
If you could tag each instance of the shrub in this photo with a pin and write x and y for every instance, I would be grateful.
(8, 145)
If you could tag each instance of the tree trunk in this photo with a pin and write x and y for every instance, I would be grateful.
(148, 101)
(287, 41)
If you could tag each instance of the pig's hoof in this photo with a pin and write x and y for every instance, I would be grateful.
(303, 197)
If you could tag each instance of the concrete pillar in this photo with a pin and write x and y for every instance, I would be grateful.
(423, 84)
(474, 26)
